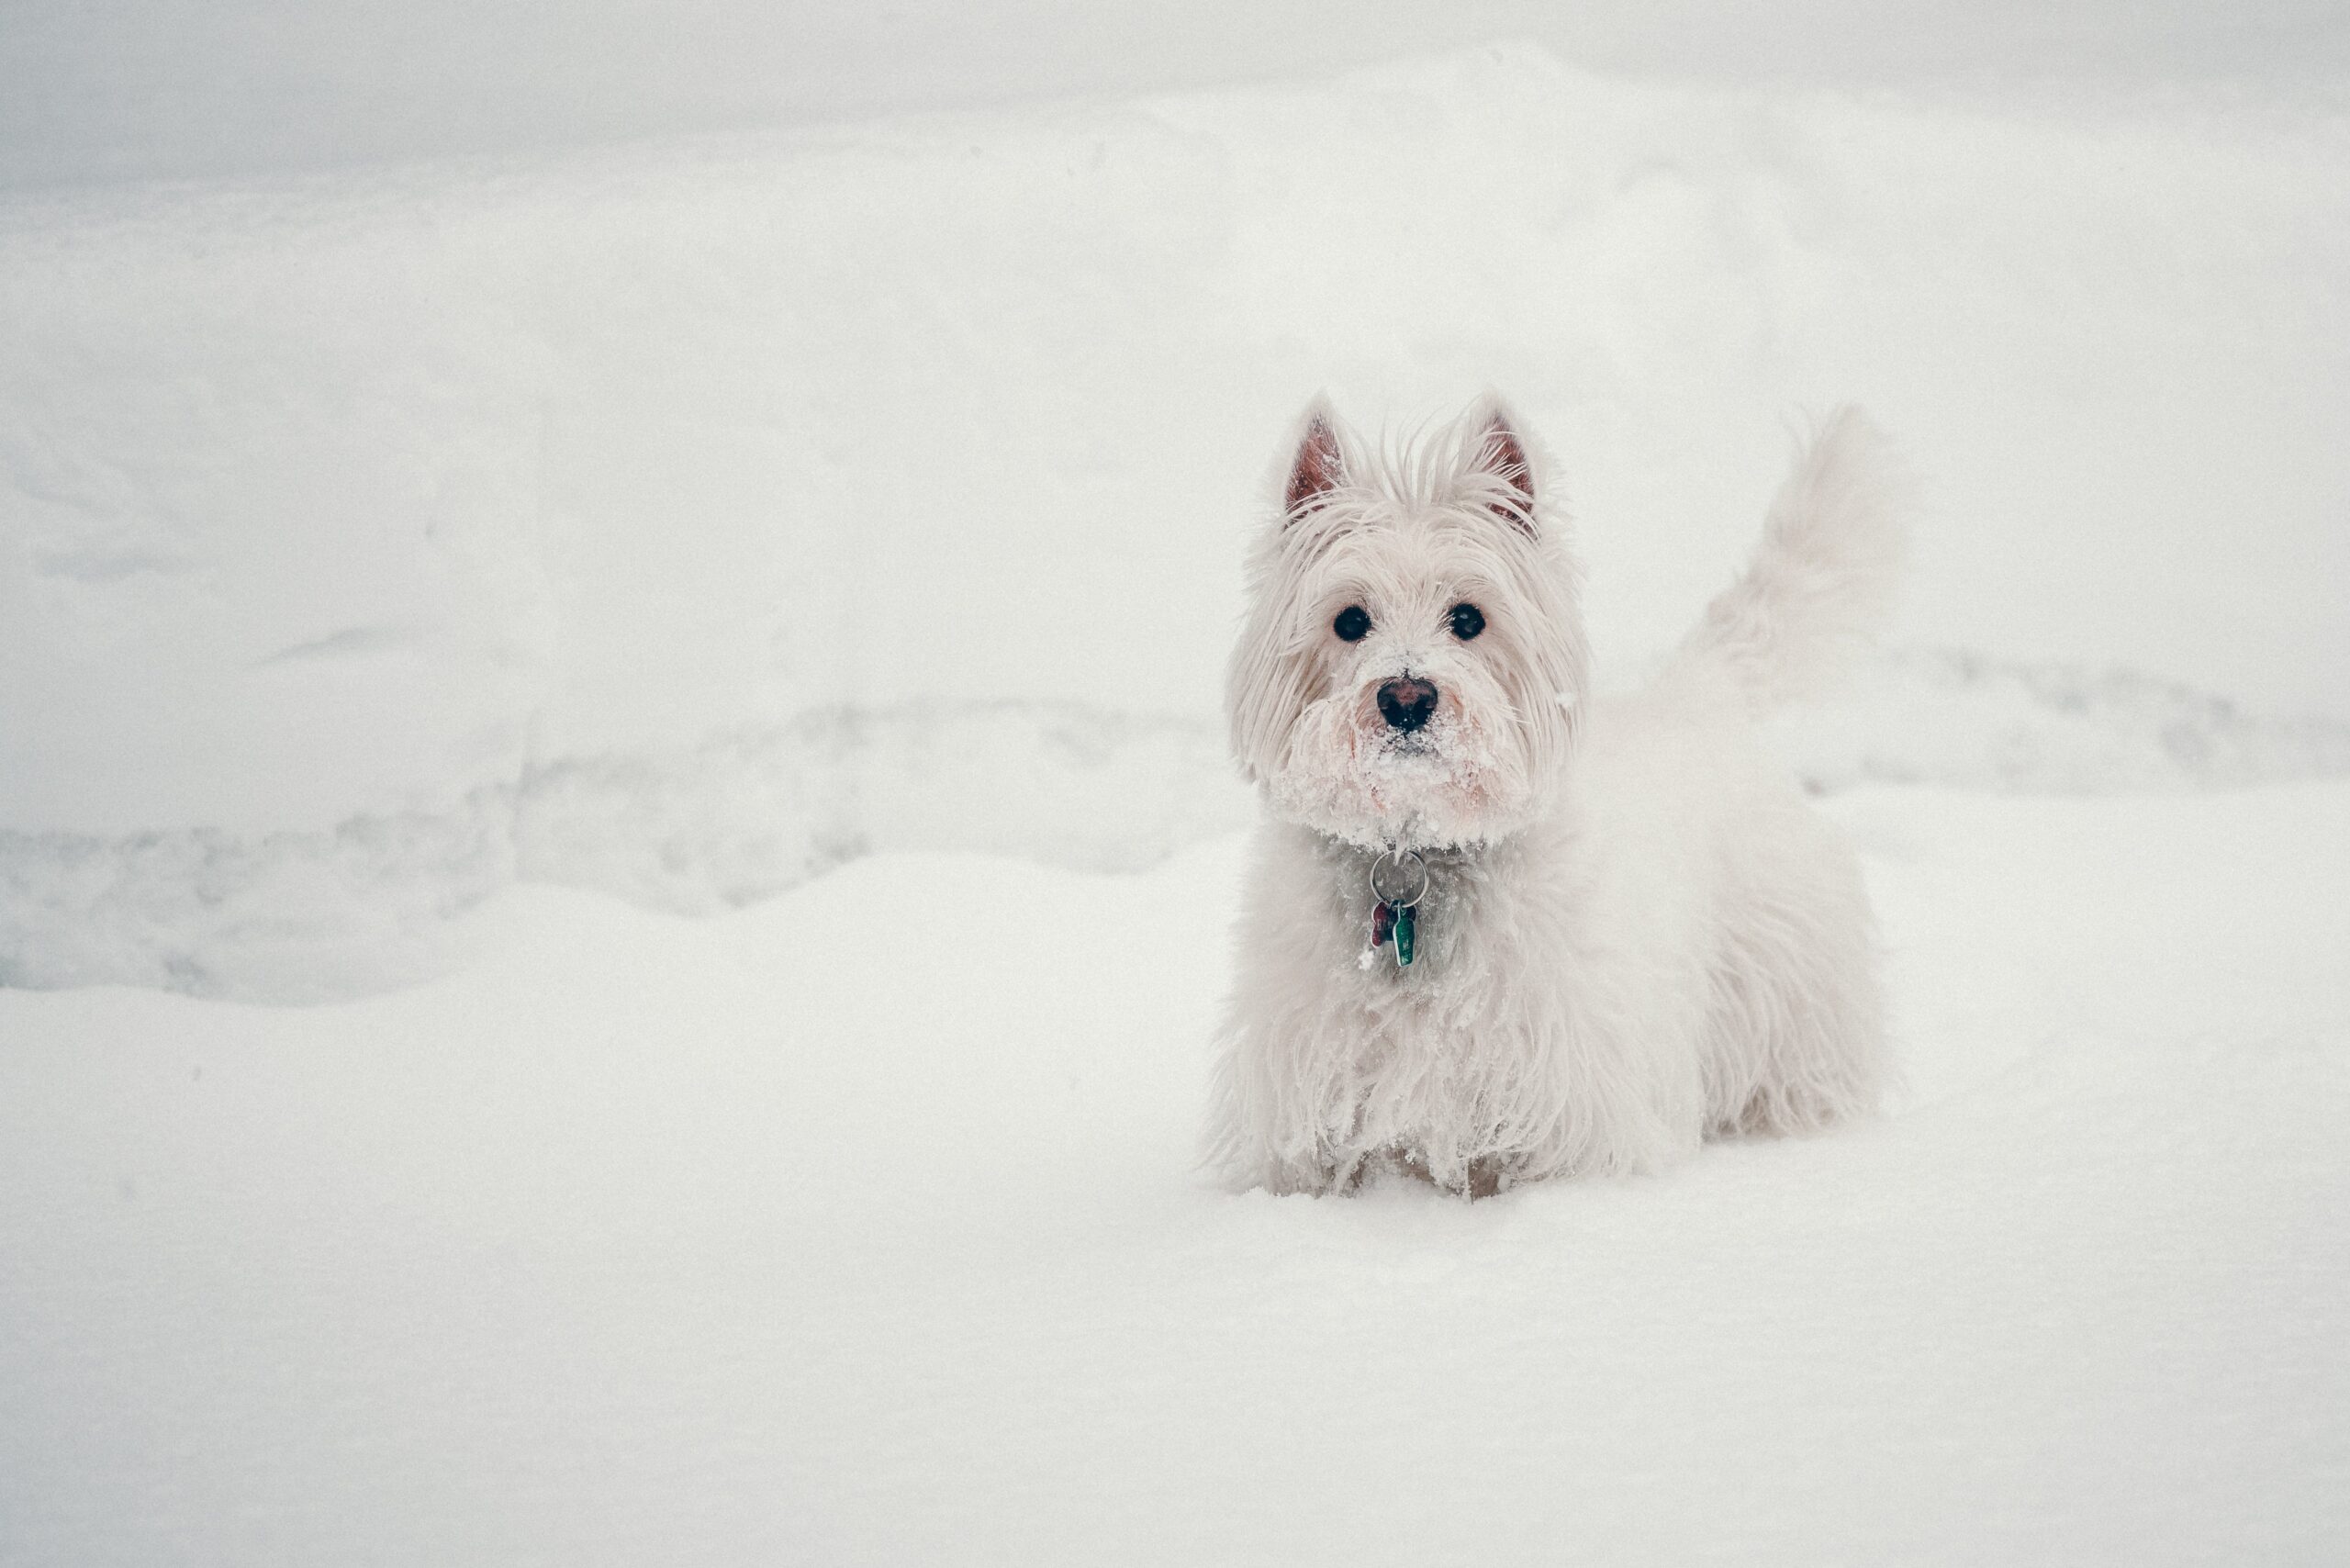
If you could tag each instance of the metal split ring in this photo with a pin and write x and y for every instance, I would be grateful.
(1403, 860)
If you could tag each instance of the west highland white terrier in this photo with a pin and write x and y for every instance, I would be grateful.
(1496, 929)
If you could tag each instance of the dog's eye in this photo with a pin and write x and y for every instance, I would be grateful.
(1353, 624)
(1467, 620)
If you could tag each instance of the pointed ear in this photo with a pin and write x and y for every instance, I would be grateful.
(1501, 459)
(1317, 465)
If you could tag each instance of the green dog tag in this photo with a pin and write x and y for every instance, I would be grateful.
(1394, 875)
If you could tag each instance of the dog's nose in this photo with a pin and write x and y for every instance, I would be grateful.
(1406, 703)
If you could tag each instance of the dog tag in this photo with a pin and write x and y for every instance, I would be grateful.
(1392, 924)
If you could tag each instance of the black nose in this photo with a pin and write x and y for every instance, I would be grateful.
(1407, 703)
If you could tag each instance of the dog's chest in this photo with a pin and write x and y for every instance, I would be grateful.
(1485, 956)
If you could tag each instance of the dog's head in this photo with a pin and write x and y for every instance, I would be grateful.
(1414, 659)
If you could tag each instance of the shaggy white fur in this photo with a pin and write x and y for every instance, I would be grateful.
(1637, 934)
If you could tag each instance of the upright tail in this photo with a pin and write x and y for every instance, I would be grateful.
(1821, 582)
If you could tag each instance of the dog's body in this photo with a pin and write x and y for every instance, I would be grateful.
(1635, 933)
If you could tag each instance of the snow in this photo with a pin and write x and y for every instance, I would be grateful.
(670, 516)
(860, 1226)
(179, 91)
(666, 575)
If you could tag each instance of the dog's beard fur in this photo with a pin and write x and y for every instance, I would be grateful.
(1451, 526)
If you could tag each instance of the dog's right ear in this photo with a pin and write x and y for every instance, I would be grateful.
(1317, 465)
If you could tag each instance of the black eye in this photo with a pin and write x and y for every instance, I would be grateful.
(1352, 625)
(1467, 620)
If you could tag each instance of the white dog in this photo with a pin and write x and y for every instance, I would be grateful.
(1496, 930)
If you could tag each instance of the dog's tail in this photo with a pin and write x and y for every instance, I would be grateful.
(1821, 582)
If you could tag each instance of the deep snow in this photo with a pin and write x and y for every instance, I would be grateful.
(860, 1228)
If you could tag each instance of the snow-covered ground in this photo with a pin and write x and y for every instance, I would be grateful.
(860, 1226)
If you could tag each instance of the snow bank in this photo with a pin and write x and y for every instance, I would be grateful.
(861, 1227)
(677, 519)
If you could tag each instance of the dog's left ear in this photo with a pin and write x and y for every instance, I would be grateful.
(1499, 466)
